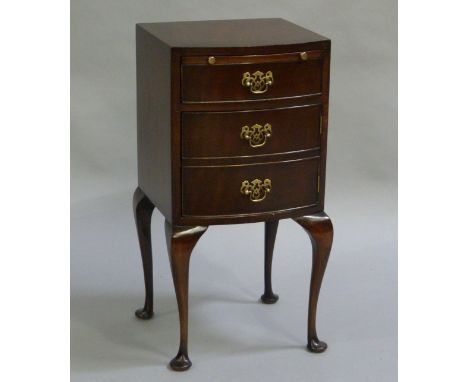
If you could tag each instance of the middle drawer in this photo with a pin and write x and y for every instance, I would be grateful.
(250, 133)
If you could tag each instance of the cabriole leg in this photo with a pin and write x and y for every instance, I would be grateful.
(180, 243)
(320, 230)
(143, 210)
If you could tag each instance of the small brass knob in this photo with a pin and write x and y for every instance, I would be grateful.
(304, 56)
(211, 60)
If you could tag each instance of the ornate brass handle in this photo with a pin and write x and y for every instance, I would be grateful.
(257, 190)
(256, 134)
(257, 82)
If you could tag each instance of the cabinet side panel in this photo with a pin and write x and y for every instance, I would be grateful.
(325, 101)
(153, 120)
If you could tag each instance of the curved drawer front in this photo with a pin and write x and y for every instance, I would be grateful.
(249, 189)
(242, 78)
(250, 133)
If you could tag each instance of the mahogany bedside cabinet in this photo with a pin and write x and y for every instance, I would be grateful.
(232, 128)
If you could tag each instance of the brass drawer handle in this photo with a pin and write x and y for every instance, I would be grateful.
(257, 190)
(256, 134)
(257, 82)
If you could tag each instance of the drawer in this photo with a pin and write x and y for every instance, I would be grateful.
(249, 189)
(244, 78)
(250, 133)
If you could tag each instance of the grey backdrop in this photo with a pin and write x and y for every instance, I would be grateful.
(233, 337)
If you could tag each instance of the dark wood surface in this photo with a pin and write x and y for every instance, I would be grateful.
(154, 121)
(193, 192)
(217, 134)
(253, 104)
(142, 211)
(192, 159)
(252, 59)
(180, 243)
(161, 116)
(231, 33)
(215, 191)
(271, 228)
(218, 83)
(320, 230)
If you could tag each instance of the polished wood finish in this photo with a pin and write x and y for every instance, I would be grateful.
(143, 210)
(215, 191)
(242, 34)
(217, 134)
(252, 59)
(218, 83)
(154, 121)
(161, 52)
(320, 230)
(192, 159)
(180, 243)
(268, 297)
(257, 104)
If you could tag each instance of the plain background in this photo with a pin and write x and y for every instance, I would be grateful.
(232, 336)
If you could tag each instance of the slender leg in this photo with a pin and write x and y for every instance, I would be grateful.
(180, 243)
(320, 230)
(142, 210)
(271, 228)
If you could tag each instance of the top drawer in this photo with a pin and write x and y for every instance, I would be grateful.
(246, 78)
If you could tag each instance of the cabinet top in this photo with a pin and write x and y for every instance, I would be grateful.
(230, 33)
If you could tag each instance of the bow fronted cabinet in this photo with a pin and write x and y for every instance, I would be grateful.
(232, 128)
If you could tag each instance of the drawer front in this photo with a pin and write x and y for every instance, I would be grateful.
(235, 134)
(266, 77)
(249, 189)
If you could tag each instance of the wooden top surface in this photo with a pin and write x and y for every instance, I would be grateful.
(230, 33)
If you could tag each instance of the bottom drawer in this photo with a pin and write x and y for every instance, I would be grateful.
(248, 189)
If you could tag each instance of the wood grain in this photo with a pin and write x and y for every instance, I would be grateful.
(192, 160)
(214, 191)
(218, 83)
(217, 134)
